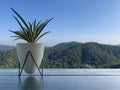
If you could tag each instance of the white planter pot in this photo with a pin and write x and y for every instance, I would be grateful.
(37, 51)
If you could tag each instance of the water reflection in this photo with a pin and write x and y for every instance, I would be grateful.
(31, 83)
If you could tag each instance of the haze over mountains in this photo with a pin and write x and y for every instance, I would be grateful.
(71, 55)
(6, 47)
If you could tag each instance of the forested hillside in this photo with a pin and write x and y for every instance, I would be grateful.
(71, 55)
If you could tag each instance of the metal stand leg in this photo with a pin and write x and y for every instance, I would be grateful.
(20, 70)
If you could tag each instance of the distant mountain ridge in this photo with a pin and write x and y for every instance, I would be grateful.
(6, 47)
(72, 55)
(83, 55)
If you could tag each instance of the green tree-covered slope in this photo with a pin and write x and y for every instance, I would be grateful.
(71, 55)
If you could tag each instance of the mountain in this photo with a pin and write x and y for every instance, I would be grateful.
(71, 55)
(6, 47)
(82, 55)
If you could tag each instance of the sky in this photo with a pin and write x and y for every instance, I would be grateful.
(74, 20)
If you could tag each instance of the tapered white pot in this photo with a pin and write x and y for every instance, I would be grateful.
(37, 51)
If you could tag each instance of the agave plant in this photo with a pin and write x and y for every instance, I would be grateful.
(30, 32)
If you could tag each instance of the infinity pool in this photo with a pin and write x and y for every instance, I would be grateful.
(61, 79)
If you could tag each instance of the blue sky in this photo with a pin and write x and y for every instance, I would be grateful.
(74, 20)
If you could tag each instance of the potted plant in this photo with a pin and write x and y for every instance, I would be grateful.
(31, 33)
